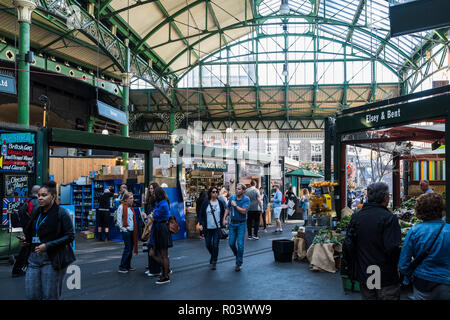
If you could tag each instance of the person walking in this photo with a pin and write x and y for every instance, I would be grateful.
(238, 206)
(161, 239)
(153, 268)
(30, 204)
(211, 218)
(223, 196)
(103, 214)
(126, 221)
(265, 204)
(425, 255)
(198, 206)
(254, 211)
(304, 200)
(373, 239)
(276, 205)
(49, 231)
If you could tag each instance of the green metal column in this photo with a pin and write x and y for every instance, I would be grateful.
(90, 130)
(24, 11)
(126, 78)
(238, 172)
(42, 155)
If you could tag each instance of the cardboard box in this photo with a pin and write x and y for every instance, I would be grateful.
(87, 235)
(106, 170)
(117, 170)
(83, 181)
(140, 179)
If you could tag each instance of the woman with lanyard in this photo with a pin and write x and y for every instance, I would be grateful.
(48, 232)
(161, 239)
(211, 214)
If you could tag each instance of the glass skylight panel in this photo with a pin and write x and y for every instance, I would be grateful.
(301, 6)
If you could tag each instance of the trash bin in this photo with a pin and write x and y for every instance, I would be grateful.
(283, 250)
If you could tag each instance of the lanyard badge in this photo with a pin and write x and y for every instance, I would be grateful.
(36, 239)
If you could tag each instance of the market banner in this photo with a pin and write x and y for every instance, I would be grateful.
(17, 152)
(9, 204)
(211, 166)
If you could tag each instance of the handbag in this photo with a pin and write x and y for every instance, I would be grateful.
(145, 236)
(64, 256)
(173, 225)
(223, 233)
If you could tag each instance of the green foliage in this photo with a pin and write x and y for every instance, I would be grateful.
(326, 236)
(343, 224)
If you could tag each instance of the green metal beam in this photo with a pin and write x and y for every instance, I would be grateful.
(116, 12)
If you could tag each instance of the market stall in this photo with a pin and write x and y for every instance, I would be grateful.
(80, 195)
(352, 125)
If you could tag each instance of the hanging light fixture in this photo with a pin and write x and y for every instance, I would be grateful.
(285, 71)
(105, 131)
(229, 129)
(284, 8)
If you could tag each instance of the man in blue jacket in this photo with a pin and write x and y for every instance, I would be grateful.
(238, 206)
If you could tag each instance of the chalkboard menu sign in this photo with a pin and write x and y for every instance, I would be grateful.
(17, 152)
(16, 186)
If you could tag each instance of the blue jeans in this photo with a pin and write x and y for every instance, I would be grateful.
(212, 243)
(237, 234)
(127, 251)
(42, 282)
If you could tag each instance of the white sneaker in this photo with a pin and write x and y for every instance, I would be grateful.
(255, 238)
(147, 272)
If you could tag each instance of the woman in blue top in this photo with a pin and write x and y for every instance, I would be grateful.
(432, 275)
(161, 238)
(305, 203)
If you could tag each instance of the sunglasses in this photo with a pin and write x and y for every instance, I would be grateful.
(214, 191)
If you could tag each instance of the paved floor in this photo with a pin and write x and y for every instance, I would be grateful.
(261, 277)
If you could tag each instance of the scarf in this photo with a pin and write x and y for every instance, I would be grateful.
(125, 224)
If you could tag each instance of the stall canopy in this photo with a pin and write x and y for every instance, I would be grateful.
(304, 173)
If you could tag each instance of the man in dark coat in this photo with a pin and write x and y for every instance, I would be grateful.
(372, 246)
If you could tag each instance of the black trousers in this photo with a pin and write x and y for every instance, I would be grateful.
(264, 219)
(253, 223)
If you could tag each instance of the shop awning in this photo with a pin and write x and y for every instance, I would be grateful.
(304, 173)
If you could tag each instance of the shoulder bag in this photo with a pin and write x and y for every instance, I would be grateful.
(64, 256)
(417, 261)
(223, 233)
(145, 236)
(173, 225)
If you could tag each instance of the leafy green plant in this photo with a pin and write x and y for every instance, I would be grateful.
(326, 236)
(343, 224)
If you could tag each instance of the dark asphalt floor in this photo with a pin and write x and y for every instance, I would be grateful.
(261, 278)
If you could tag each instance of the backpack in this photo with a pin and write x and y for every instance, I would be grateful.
(19, 215)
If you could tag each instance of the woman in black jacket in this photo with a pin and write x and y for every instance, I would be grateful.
(210, 218)
(49, 231)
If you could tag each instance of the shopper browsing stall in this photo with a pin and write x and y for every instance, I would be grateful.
(211, 218)
(373, 239)
(265, 204)
(429, 272)
(103, 214)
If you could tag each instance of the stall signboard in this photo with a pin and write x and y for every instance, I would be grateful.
(211, 166)
(16, 186)
(17, 152)
(112, 113)
(7, 84)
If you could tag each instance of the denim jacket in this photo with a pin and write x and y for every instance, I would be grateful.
(436, 266)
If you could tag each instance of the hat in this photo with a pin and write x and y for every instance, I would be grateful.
(276, 185)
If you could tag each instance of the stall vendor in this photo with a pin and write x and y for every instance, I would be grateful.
(425, 186)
